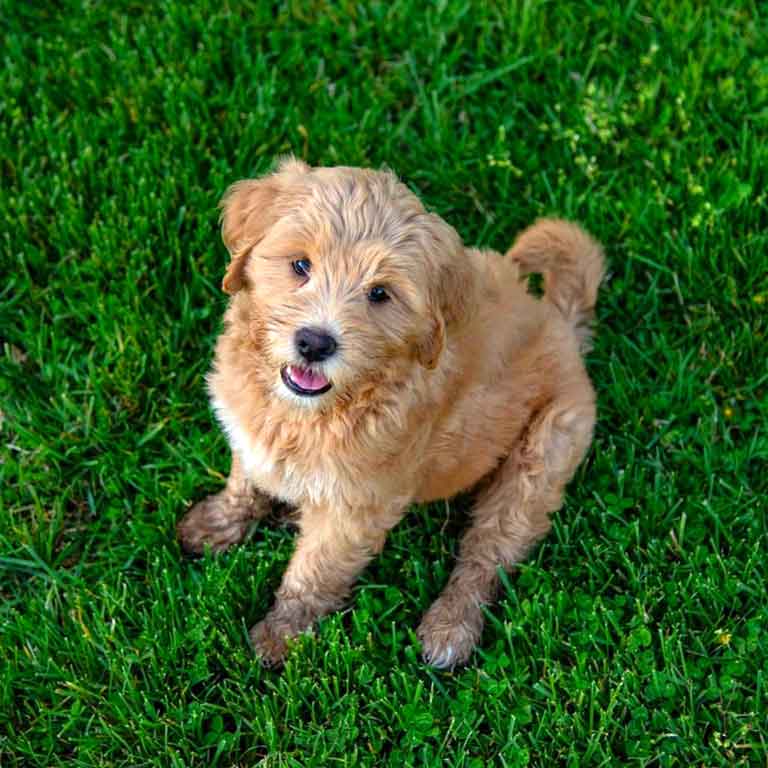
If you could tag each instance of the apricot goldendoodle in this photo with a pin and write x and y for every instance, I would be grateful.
(369, 360)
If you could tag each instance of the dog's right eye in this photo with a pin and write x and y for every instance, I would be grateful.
(301, 267)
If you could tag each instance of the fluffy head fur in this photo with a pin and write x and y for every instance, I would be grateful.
(460, 380)
(360, 229)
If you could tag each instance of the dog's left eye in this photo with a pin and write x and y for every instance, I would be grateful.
(301, 267)
(377, 294)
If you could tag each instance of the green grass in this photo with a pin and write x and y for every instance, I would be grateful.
(635, 635)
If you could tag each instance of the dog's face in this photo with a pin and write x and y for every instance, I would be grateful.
(348, 280)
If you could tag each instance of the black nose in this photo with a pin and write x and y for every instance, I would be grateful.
(314, 344)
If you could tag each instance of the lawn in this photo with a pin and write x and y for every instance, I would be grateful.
(637, 634)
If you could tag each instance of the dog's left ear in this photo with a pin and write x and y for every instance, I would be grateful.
(456, 289)
(454, 294)
(248, 209)
(430, 348)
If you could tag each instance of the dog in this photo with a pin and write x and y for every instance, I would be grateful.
(369, 360)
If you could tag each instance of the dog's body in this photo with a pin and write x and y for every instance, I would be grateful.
(458, 379)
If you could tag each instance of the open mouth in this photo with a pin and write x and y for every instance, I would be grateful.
(304, 381)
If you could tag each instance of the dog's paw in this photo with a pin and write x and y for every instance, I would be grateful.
(269, 641)
(213, 522)
(448, 634)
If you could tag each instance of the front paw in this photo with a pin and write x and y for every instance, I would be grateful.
(214, 522)
(449, 633)
(289, 617)
(269, 641)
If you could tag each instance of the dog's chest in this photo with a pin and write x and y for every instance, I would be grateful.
(285, 476)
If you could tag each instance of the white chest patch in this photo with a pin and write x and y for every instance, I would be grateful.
(283, 479)
(256, 461)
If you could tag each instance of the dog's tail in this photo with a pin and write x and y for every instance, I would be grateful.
(572, 266)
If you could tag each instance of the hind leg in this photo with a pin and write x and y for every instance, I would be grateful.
(221, 520)
(509, 517)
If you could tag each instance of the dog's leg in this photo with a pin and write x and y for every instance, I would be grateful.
(328, 559)
(509, 517)
(222, 520)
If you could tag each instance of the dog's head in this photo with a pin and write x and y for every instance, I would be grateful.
(346, 278)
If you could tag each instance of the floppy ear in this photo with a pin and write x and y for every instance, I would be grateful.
(453, 290)
(246, 215)
(430, 348)
(456, 289)
(248, 209)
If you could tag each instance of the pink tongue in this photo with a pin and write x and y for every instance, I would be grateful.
(306, 379)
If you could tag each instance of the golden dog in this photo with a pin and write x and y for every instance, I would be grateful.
(369, 360)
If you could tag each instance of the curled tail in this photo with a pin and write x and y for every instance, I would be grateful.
(572, 265)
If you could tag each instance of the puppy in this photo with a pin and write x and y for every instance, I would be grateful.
(368, 361)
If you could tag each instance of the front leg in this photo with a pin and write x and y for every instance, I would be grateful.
(221, 520)
(332, 550)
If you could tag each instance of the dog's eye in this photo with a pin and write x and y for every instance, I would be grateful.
(301, 267)
(377, 294)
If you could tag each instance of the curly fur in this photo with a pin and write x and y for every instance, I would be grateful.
(462, 380)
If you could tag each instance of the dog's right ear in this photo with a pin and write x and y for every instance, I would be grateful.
(246, 215)
(248, 209)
